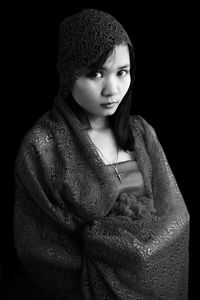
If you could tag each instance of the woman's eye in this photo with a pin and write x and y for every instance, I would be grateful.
(94, 74)
(98, 75)
(122, 73)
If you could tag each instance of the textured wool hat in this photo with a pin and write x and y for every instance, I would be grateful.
(83, 38)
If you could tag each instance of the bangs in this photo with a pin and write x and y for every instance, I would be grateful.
(98, 64)
(95, 66)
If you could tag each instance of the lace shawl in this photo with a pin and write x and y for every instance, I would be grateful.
(63, 232)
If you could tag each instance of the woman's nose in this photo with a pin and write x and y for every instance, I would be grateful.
(110, 87)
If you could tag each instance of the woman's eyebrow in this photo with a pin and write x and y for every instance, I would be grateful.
(119, 68)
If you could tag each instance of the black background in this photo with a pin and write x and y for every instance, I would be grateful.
(164, 41)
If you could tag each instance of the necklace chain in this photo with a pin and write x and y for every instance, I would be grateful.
(114, 167)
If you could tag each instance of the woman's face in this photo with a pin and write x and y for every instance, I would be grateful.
(108, 85)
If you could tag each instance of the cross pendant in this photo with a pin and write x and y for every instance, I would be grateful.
(118, 175)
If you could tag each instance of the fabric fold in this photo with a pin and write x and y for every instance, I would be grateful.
(64, 234)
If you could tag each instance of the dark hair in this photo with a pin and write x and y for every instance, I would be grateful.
(118, 121)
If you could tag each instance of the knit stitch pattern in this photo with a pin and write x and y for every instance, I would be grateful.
(84, 37)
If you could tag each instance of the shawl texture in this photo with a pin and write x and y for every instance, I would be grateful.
(64, 234)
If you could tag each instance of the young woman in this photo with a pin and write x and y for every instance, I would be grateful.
(98, 213)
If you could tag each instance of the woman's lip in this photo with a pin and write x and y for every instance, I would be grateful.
(108, 103)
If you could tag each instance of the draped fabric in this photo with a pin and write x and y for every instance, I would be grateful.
(64, 232)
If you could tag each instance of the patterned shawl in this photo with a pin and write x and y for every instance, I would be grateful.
(63, 232)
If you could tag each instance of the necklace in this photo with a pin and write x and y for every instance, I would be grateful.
(114, 167)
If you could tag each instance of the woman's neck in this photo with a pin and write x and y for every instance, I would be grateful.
(99, 123)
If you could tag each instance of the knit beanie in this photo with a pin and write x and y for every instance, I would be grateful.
(83, 38)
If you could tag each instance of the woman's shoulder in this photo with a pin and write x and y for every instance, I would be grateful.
(139, 123)
(36, 144)
(39, 135)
